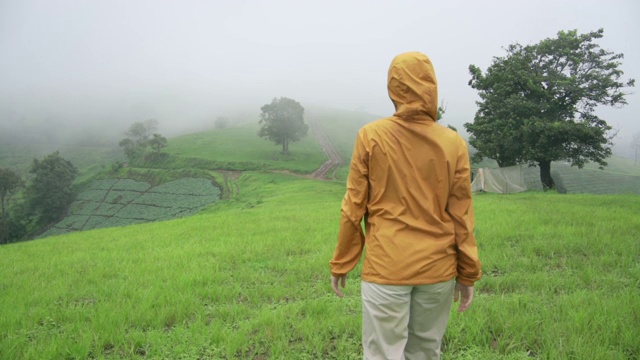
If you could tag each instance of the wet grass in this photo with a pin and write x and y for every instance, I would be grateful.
(248, 279)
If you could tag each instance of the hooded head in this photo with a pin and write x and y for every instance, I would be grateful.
(413, 87)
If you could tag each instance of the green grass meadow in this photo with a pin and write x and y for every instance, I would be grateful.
(240, 148)
(248, 278)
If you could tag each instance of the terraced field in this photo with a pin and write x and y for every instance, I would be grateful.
(120, 202)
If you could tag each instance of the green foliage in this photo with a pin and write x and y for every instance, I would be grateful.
(441, 110)
(12, 227)
(131, 150)
(139, 137)
(282, 121)
(140, 132)
(537, 103)
(50, 191)
(157, 142)
(10, 183)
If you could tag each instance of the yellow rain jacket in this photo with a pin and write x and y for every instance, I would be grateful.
(409, 179)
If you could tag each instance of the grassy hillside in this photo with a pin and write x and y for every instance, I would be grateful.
(341, 126)
(248, 279)
(240, 148)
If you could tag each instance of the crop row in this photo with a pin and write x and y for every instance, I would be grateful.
(173, 200)
(121, 196)
(104, 184)
(155, 200)
(120, 202)
(188, 186)
(119, 184)
(131, 185)
(150, 213)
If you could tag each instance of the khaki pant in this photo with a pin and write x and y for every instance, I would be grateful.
(404, 322)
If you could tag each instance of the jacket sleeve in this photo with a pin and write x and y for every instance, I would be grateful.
(460, 209)
(354, 206)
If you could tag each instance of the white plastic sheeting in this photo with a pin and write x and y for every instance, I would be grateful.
(504, 180)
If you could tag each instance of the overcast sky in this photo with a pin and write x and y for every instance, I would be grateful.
(187, 61)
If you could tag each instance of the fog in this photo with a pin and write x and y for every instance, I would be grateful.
(98, 66)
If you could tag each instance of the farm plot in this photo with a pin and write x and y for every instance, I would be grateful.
(121, 202)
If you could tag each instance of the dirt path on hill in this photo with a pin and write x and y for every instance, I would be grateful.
(322, 173)
(231, 188)
(334, 160)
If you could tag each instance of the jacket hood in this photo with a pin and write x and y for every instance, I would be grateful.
(413, 87)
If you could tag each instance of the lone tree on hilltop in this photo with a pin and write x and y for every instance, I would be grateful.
(538, 103)
(282, 122)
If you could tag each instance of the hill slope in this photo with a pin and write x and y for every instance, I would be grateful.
(240, 148)
(248, 279)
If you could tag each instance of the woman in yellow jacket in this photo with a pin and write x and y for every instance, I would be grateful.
(409, 179)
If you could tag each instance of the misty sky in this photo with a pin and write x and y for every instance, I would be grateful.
(188, 61)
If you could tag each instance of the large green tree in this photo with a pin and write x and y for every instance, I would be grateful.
(282, 121)
(157, 142)
(538, 103)
(50, 191)
(10, 183)
(139, 136)
(140, 132)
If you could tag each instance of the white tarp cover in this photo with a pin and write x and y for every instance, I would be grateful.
(504, 180)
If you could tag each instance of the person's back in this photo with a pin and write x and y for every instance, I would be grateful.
(410, 234)
(410, 179)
